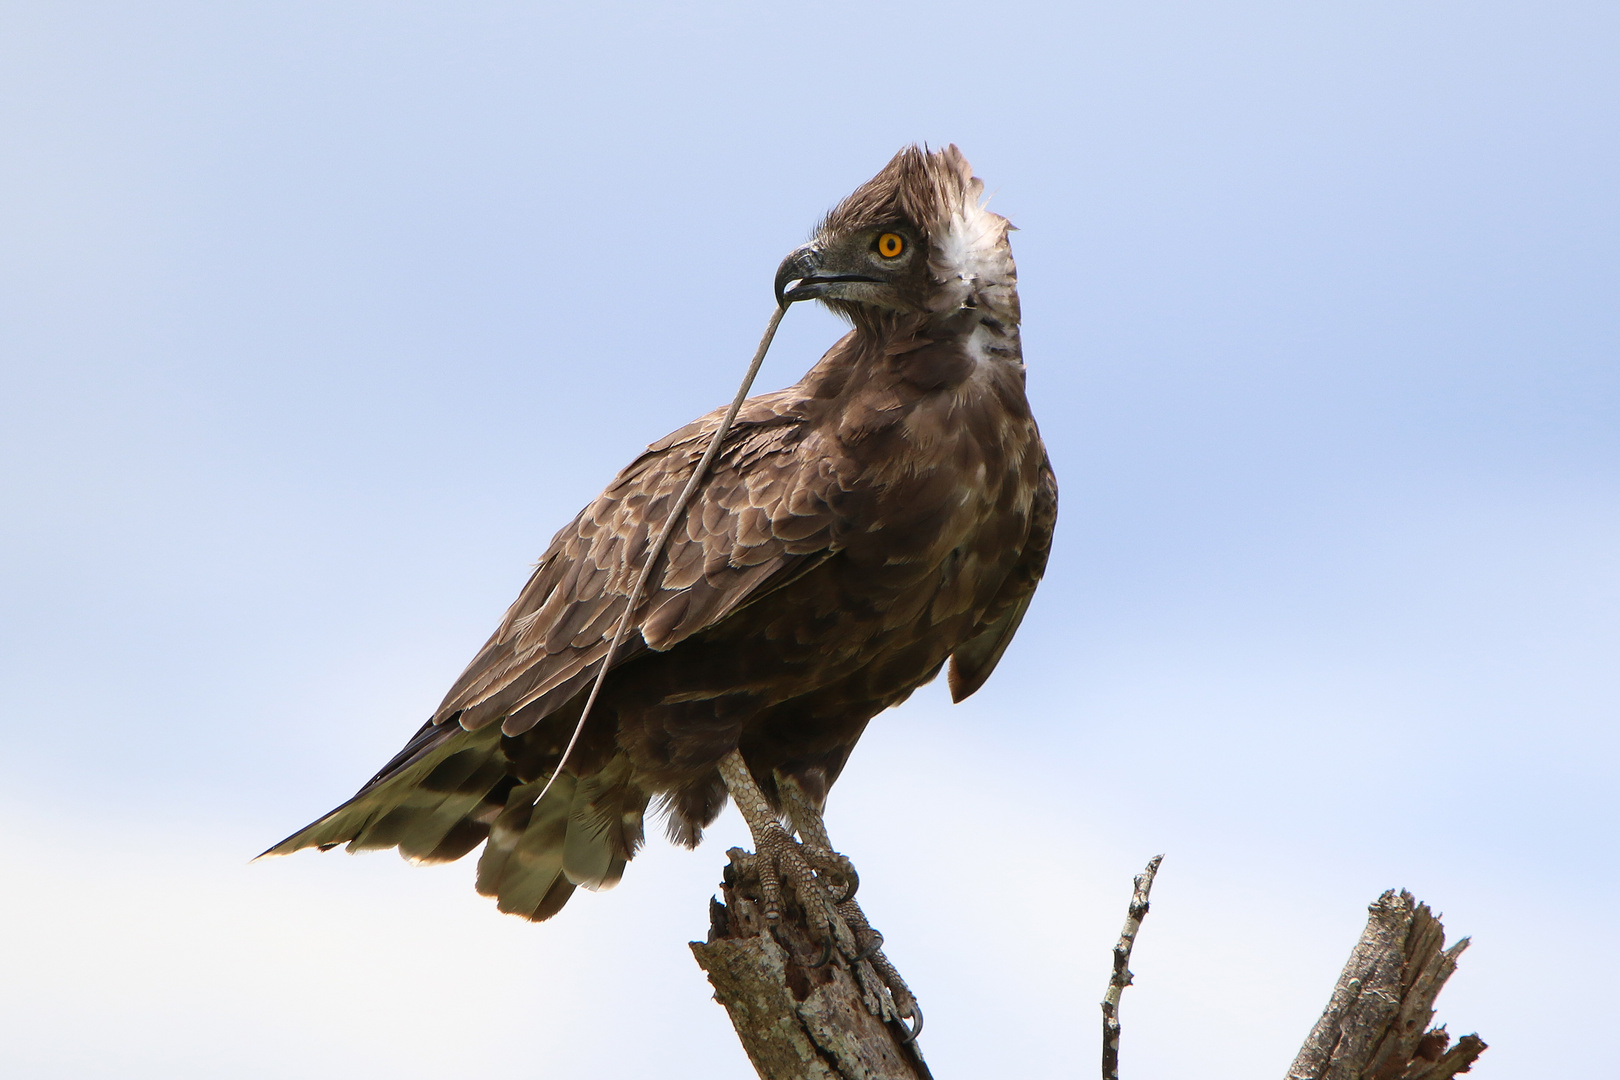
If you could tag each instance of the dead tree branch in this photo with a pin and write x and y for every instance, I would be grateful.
(802, 1011)
(1121, 977)
(1376, 1025)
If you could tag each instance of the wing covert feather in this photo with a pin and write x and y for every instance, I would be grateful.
(976, 658)
(764, 509)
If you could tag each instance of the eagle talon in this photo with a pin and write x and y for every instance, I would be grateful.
(783, 864)
(805, 868)
(836, 865)
(915, 1029)
(826, 955)
(905, 1002)
(874, 949)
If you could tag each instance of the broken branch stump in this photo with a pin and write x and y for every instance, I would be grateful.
(1376, 1025)
(802, 1012)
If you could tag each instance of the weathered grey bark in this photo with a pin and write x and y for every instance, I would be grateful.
(801, 1010)
(1376, 1025)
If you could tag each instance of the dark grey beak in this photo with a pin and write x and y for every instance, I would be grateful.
(799, 270)
(802, 269)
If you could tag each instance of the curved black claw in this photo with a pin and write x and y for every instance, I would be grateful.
(852, 879)
(832, 864)
(915, 1029)
(871, 950)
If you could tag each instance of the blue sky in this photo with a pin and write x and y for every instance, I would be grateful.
(316, 320)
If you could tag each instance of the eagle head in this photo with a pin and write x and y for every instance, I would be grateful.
(913, 240)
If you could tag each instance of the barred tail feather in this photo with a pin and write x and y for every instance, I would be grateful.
(451, 789)
(604, 827)
(581, 834)
(522, 863)
(431, 785)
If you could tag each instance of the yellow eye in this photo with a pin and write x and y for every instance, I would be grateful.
(890, 245)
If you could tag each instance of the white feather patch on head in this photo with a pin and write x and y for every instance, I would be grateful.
(971, 259)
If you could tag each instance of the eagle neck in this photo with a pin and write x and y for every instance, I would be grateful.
(927, 352)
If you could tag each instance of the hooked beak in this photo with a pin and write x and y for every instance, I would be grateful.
(802, 271)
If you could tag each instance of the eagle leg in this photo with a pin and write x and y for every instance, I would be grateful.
(815, 847)
(784, 861)
(807, 821)
(805, 817)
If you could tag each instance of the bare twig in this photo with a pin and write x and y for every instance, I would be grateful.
(663, 538)
(1121, 977)
(1374, 1024)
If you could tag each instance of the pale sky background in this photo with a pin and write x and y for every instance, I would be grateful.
(316, 321)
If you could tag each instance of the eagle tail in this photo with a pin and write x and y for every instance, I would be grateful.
(450, 789)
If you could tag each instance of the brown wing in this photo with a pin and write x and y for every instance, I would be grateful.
(976, 658)
(761, 515)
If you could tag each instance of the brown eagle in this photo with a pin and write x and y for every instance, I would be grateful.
(890, 512)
